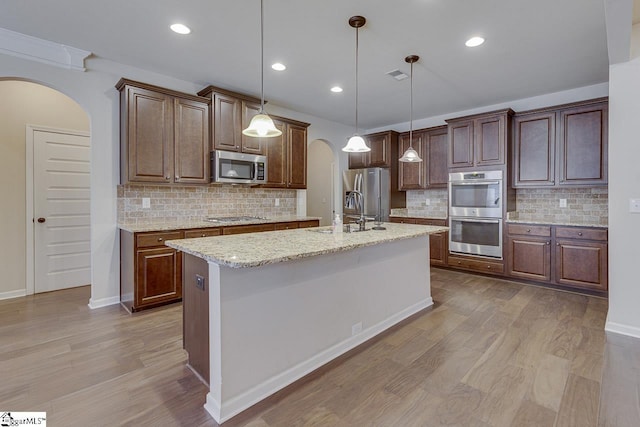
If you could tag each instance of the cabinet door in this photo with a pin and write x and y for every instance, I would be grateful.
(529, 257)
(581, 264)
(250, 144)
(380, 154)
(411, 175)
(276, 151)
(297, 156)
(438, 248)
(226, 123)
(358, 160)
(461, 144)
(191, 144)
(436, 149)
(158, 276)
(490, 140)
(149, 136)
(534, 150)
(583, 145)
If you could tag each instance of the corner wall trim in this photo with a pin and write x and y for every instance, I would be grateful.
(618, 328)
(45, 51)
(13, 294)
(103, 302)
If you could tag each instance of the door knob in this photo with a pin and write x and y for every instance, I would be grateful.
(41, 220)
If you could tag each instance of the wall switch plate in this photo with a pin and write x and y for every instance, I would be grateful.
(146, 203)
(563, 203)
(356, 329)
(199, 282)
(427, 202)
(634, 205)
(277, 202)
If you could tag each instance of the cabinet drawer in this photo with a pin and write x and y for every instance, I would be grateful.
(529, 230)
(202, 232)
(287, 225)
(148, 240)
(431, 221)
(581, 233)
(402, 220)
(307, 224)
(239, 229)
(476, 265)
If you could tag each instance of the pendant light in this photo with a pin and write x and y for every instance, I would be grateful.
(411, 156)
(356, 143)
(261, 124)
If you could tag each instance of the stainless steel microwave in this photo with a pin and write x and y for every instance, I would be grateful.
(238, 168)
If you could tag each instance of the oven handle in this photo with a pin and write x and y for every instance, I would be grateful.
(473, 182)
(490, 221)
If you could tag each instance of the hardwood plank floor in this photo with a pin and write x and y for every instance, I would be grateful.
(489, 353)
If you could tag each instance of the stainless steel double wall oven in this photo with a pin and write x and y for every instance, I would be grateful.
(475, 213)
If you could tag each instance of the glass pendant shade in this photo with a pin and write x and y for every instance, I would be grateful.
(411, 155)
(261, 126)
(356, 144)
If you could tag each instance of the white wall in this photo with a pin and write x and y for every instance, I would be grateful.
(23, 103)
(624, 184)
(319, 170)
(94, 91)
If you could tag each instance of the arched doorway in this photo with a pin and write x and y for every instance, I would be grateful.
(42, 126)
(321, 171)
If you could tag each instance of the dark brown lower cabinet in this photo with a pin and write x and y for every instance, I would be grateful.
(158, 276)
(438, 242)
(578, 259)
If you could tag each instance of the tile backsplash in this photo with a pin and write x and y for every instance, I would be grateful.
(191, 203)
(438, 203)
(584, 205)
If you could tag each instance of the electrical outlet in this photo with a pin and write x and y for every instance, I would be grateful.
(146, 203)
(356, 329)
(427, 202)
(563, 203)
(199, 282)
(277, 202)
(634, 205)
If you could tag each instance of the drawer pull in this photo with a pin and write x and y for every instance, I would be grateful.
(459, 262)
(159, 239)
(548, 242)
(528, 230)
(557, 244)
(579, 233)
(203, 235)
(488, 267)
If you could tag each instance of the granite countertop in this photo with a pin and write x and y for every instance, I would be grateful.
(517, 218)
(256, 249)
(189, 224)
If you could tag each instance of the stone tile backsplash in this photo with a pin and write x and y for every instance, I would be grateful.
(584, 205)
(438, 206)
(190, 203)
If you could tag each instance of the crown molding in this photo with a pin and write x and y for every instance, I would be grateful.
(45, 51)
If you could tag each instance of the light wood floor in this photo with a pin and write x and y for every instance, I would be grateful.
(490, 353)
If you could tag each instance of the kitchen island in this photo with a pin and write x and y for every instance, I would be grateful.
(262, 310)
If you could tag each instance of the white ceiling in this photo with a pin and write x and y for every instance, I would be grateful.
(532, 48)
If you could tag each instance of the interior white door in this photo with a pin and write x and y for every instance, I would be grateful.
(61, 196)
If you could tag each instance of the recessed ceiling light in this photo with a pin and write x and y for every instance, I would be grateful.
(180, 28)
(474, 41)
(336, 89)
(279, 67)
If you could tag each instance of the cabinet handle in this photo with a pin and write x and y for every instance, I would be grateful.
(529, 230)
(167, 177)
(459, 262)
(159, 239)
(557, 244)
(488, 267)
(203, 235)
(177, 177)
(548, 242)
(580, 233)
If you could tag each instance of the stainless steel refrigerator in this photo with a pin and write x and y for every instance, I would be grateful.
(375, 186)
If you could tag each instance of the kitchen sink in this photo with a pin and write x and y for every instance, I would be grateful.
(233, 218)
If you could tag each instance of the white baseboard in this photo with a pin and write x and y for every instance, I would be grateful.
(13, 294)
(621, 329)
(103, 302)
(239, 403)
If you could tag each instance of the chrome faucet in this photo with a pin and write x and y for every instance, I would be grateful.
(359, 206)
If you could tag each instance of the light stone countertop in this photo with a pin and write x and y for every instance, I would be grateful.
(178, 224)
(256, 249)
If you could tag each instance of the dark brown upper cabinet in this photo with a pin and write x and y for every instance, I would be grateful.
(480, 140)
(432, 172)
(383, 149)
(561, 146)
(231, 113)
(164, 135)
(287, 155)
